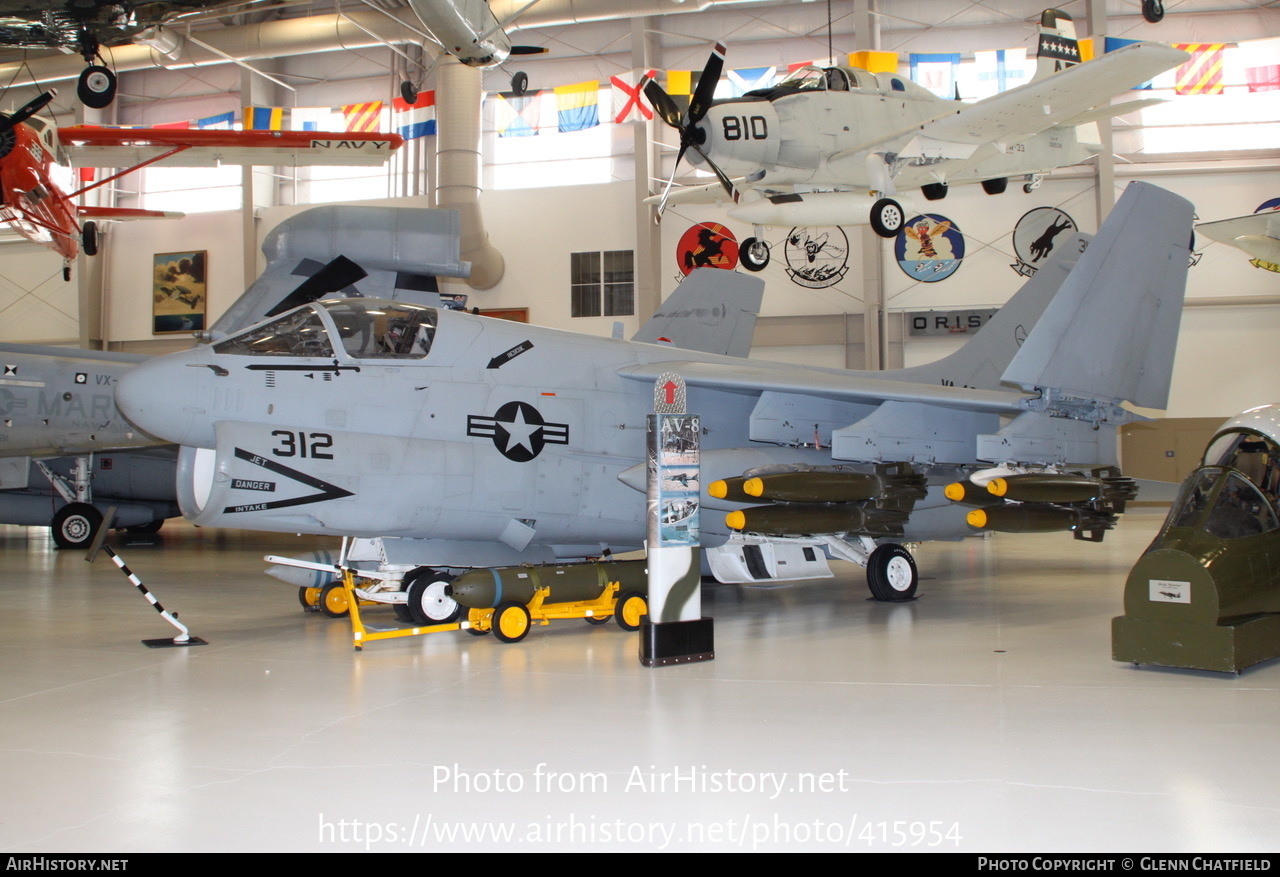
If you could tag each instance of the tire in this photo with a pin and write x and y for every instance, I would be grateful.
(891, 574)
(996, 186)
(886, 217)
(428, 603)
(520, 83)
(598, 619)
(753, 254)
(97, 87)
(333, 600)
(630, 609)
(408, 93)
(89, 238)
(1153, 11)
(309, 599)
(934, 191)
(75, 525)
(511, 622)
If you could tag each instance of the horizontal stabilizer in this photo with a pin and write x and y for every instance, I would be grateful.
(1111, 331)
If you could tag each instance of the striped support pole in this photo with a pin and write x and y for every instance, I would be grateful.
(184, 637)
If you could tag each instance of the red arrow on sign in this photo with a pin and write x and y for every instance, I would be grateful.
(670, 387)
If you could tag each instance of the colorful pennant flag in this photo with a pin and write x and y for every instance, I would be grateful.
(936, 72)
(1004, 67)
(363, 117)
(874, 62)
(264, 118)
(220, 122)
(746, 79)
(174, 126)
(680, 88)
(1261, 62)
(629, 103)
(417, 119)
(1203, 73)
(311, 119)
(577, 106)
(516, 115)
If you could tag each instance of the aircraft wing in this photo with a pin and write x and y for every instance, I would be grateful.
(91, 146)
(119, 213)
(1266, 223)
(836, 385)
(1024, 111)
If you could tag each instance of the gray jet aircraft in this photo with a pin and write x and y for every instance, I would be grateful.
(477, 442)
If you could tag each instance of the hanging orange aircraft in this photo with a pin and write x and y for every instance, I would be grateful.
(36, 207)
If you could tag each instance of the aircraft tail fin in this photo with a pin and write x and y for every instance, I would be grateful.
(1058, 48)
(1110, 333)
(711, 311)
(982, 361)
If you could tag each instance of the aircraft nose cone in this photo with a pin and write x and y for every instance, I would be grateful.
(164, 398)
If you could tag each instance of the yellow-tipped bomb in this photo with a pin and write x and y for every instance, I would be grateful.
(815, 486)
(1024, 518)
(1046, 487)
(730, 489)
(735, 520)
(753, 487)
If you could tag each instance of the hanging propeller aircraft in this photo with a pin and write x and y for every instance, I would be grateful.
(469, 31)
(37, 208)
(834, 146)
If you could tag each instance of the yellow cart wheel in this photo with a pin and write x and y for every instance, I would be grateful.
(511, 622)
(309, 598)
(333, 600)
(631, 607)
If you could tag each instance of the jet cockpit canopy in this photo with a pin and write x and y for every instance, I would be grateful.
(362, 328)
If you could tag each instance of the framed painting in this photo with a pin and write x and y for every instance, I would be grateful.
(179, 292)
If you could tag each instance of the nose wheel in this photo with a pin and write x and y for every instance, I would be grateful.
(886, 217)
(753, 253)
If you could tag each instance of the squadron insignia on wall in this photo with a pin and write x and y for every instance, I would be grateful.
(1034, 236)
(817, 257)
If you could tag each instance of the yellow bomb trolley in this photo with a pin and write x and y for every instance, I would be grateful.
(509, 600)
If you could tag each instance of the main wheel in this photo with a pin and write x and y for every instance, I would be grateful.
(89, 238)
(428, 601)
(996, 186)
(75, 525)
(408, 93)
(753, 253)
(891, 574)
(1153, 10)
(97, 87)
(886, 217)
(520, 83)
(333, 600)
(934, 191)
(511, 622)
(631, 607)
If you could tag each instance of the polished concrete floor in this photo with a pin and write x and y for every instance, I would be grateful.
(985, 716)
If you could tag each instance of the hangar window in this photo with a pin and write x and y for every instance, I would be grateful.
(602, 284)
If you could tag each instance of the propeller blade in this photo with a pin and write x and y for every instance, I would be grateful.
(529, 50)
(26, 111)
(663, 103)
(725, 182)
(705, 90)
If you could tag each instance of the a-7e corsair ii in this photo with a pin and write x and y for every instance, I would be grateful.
(479, 442)
(835, 145)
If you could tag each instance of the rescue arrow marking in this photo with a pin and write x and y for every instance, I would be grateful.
(503, 358)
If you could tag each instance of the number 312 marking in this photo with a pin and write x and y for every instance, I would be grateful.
(294, 444)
